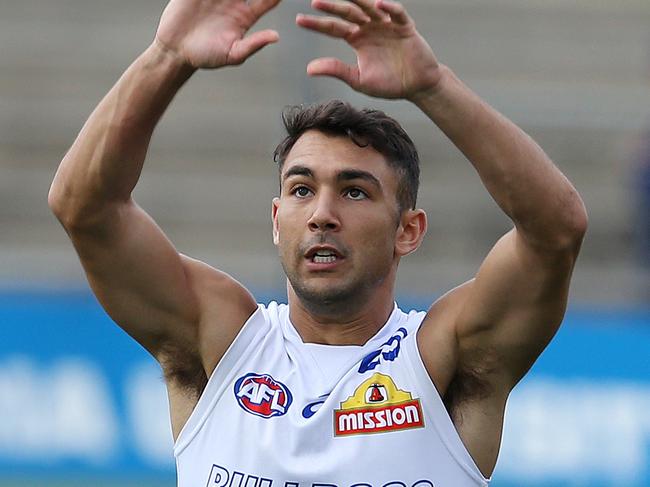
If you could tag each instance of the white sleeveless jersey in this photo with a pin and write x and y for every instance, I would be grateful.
(278, 412)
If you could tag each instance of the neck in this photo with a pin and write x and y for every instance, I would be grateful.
(350, 324)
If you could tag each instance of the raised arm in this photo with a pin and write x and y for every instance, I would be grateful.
(507, 315)
(501, 320)
(157, 295)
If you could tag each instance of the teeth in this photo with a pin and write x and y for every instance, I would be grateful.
(324, 259)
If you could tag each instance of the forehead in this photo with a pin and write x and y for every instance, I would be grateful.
(327, 155)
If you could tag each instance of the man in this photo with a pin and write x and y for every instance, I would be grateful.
(296, 391)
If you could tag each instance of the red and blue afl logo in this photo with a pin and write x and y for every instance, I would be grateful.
(262, 395)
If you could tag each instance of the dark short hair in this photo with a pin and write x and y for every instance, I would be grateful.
(364, 127)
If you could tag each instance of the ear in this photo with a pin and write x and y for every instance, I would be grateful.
(275, 205)
(411, 231)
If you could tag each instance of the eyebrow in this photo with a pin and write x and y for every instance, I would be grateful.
(345, 175)
(351, 174)
(298, 171)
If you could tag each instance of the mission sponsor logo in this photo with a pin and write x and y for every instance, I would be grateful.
(377, 406)
(262, 395)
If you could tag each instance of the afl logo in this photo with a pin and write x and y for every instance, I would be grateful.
(262, 395)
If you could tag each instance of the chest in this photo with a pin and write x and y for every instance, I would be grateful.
(296, 414)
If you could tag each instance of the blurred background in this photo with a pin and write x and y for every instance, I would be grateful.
(83, 405)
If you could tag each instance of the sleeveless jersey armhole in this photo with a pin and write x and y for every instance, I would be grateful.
(219, 379)
(441, 420)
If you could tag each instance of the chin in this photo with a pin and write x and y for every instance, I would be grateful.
(324, 294)
(327, 294)
(326, 299)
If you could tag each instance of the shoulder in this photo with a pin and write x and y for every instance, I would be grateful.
(437, 338)
(459, 373)
(224, 306)
(218, 292)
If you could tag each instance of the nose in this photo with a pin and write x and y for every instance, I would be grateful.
(325, 216)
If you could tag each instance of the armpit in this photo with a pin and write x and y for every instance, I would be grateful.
(469, 384)
(183, 369)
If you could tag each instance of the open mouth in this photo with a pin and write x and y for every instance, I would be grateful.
(324, 257)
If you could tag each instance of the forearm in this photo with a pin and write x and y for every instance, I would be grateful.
(529, 188)
(104, 163)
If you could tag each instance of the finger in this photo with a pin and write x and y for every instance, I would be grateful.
(335, 68)
(346, 10)
(249, 45)
(260, 7)
(368, 7)
(330, 26)
(396, 11)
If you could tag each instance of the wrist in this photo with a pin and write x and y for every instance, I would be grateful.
(436, 89)
(158, 56)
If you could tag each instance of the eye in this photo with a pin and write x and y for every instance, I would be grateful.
(356, 194)
(301, 191)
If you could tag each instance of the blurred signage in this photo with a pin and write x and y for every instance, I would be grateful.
(84, 399)
(79, 397)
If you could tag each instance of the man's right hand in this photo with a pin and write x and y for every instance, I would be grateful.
(208, 34)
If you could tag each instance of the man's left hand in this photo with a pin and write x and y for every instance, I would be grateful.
(393, 60)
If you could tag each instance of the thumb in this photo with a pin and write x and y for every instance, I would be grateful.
(244, 48)
(335, 68)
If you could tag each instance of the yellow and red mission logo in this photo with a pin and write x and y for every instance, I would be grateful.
(377, 406)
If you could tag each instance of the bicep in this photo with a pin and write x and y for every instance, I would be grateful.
(514, 306)
(138, 276)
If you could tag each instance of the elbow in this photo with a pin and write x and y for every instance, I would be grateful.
(572, 227)
(62, 205)
(75, 210)
(56, 199)
(63, 202)
(579, 220)
(560, 231)
(582, 222)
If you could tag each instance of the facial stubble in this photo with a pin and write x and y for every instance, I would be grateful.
(350, 293)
